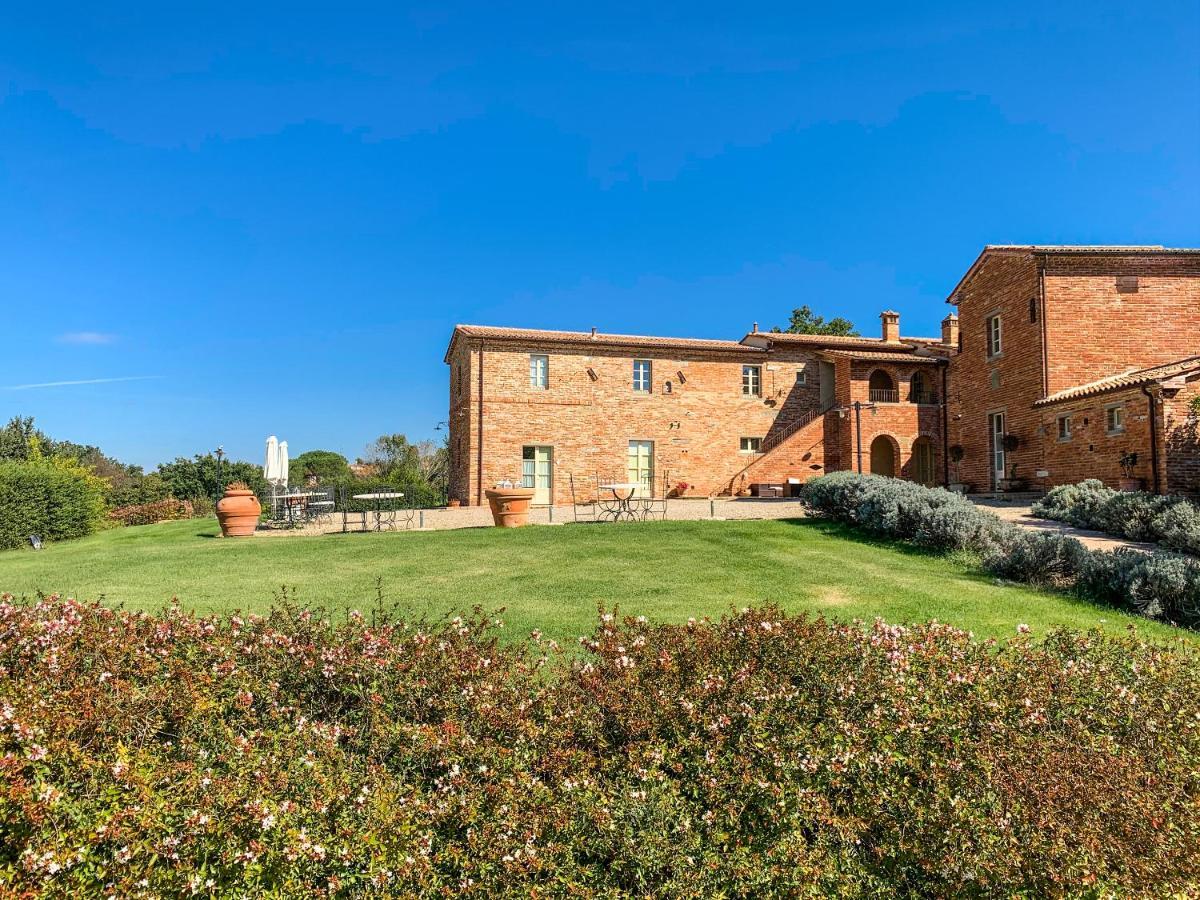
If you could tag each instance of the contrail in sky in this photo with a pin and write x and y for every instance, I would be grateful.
(51, 384)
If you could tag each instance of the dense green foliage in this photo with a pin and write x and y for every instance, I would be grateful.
(1163, 585)
(761, 756)
(51, 497)
(201, 477)
(323, 465)
(149, 513)
(1173, 522)
(804, 321)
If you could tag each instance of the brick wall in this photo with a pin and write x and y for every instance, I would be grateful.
(696, 427)
(1091, 451)
(1093, 330)
(1181, 437)
(1089, 330)
(1008, 383)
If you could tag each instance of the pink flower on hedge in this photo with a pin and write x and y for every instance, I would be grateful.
(1022, 628)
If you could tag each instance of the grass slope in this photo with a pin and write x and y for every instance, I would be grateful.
(551, 578)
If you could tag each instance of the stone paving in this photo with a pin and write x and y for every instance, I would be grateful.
(1021, 513)
(700, 509)
(686, 509)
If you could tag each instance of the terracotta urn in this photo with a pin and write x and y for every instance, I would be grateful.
(238, 511)
(510, 506)
(1131, 484)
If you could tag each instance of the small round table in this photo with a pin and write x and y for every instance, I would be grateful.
(379, 497)
(622, 492)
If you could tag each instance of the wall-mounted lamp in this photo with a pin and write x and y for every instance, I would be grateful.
(667, 387)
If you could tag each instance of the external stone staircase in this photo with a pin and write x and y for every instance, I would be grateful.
(774, 444)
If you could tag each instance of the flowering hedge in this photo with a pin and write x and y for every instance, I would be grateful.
(763, 755)
(165, 510)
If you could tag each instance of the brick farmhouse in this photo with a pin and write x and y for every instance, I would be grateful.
(1062, 363)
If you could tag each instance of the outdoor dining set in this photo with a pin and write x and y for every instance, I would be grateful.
(367, 510)
(595, 498)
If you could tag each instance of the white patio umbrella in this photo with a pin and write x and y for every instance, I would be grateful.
(271, 465)
(283, 463)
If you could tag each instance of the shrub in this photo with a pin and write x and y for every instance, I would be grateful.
(1039, 558)
(1068, 501)
(1138, 516)
(1159, 585)
(150, 513)
(1178, 527)
(54, 498)
(760, 756)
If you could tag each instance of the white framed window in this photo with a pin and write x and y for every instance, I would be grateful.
(641, 376)
(1114, 418)
(1064, 428)
(539, 371)
(801, 377)
(995, 340)
(752, 381)
(750, 445)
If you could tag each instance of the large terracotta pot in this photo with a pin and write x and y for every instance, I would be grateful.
(238, 512)
(1131, 484)
(510, 506)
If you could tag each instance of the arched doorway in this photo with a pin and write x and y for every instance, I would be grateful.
(921, 468)
(883, 456)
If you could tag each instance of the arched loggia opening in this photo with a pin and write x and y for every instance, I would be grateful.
(882, 388)
(885, 456)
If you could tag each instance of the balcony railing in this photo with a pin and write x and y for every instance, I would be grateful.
(883, 395)
(922, 397)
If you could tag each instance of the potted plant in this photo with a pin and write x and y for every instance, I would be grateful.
(957, 453)
(509, 504)
(680, 489)
(1127, 481)
(238, 511)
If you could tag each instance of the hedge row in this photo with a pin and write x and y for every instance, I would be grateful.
(50, 497)
(1173, 522)
(762, 756)
(1161, 585)
(165, 510)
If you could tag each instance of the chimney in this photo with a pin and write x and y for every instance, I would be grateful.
(891, 326)
(950, 330)
(755, 329)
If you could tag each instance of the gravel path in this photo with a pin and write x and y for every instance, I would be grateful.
(1022, 514)
(481, 516)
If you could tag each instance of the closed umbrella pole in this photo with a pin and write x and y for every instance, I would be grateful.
(271, 465)
(283, 463)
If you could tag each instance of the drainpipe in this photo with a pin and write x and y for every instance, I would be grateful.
(1153, 439)
(945, 427)
(858, 431)
(479, 438)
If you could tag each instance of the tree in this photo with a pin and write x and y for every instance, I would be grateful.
(19, 438)
(324, 465)
(805, 322)
(395, 459)
(196, 479)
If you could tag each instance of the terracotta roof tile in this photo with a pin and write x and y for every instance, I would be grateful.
(898, 356)
(836, 340)
(597, 339)
(1132, 378)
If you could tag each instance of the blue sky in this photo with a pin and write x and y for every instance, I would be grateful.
(268, 220)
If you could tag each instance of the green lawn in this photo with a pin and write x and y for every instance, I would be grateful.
(549, 577)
